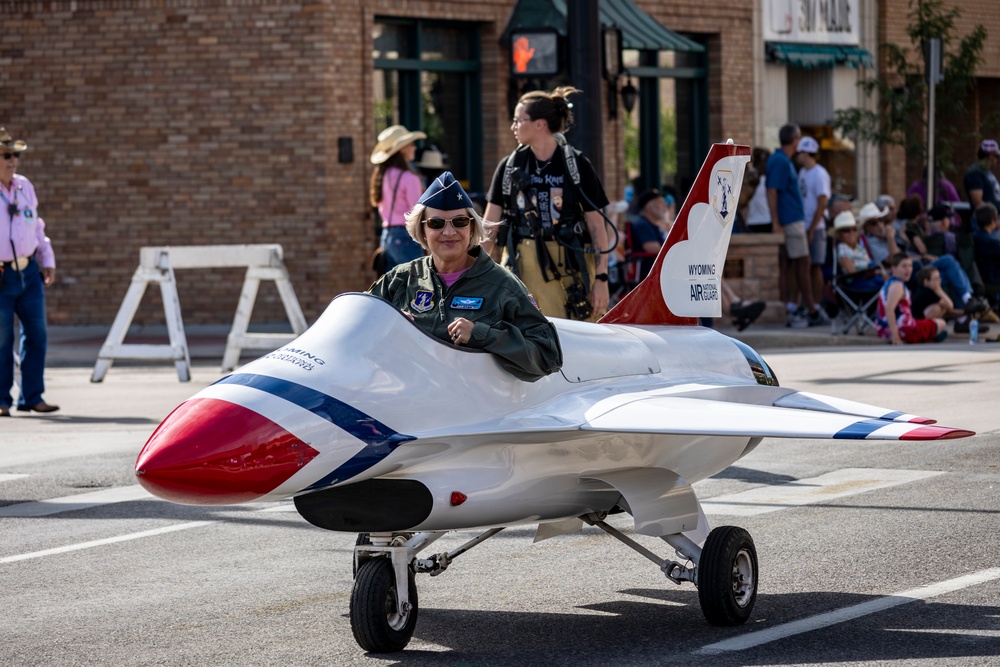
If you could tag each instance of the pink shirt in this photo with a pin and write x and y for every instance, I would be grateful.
(450, 279)
(406, 195)
(28, 229)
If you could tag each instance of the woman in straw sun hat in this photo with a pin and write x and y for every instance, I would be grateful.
(395, 188)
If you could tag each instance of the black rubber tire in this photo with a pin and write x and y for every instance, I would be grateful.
(363, 538)
(373, 608)
(727, 576)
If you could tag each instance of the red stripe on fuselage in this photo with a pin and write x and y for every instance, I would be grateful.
(212, 452)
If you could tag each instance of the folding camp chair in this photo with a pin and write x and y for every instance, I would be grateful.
(857, 304)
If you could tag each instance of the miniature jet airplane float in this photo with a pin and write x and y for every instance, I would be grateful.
(375, 427)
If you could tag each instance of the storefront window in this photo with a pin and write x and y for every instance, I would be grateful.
(669, 149)
(392, 41)
(427, 77)
(444, 43)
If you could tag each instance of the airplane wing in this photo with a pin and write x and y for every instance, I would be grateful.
(702, 416)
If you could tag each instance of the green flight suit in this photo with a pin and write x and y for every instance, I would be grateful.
(506, 321)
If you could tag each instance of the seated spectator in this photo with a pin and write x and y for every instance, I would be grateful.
(987, 246)
(853, 257)
(895, 321)
(647, 230)
(953, 276)
(931, 302)
(881, 244)
(889, 203)
(910, 215)
(939, 239)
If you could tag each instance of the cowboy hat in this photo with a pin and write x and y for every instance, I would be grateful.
(8, 142)
(391, 140)
(870, 211)
(844, 220)
(431, 158)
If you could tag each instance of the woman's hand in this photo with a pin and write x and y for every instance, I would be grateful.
(460, 331)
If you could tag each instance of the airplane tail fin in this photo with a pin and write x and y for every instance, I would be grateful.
(684, 283)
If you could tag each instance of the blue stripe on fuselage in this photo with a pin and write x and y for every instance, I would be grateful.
(379, 439)
(859, 430)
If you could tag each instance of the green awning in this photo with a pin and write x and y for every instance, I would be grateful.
(809, 56)
(639, 29)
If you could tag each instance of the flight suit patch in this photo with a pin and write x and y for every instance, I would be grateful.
(467, 302)
(423, 301)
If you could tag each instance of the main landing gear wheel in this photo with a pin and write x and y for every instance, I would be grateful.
(727, 576)
(376, 622)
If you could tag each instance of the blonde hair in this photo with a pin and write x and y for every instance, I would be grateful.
(480, 229)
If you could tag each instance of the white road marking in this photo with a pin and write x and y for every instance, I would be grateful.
(117, 495)
(109, 540)
(779, 632)
(78, 501)
(961, 632)
(837, 484)
(6, 477)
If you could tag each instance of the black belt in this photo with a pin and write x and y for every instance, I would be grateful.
(525, 232)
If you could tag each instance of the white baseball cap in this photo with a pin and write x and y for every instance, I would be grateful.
(808, 145)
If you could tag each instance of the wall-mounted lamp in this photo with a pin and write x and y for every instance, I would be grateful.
(611, 61)
(629, 95)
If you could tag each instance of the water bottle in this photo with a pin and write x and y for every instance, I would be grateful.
(973, 332)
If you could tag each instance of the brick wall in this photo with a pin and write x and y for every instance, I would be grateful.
(983, 104)
(189, 122)
(730, 59)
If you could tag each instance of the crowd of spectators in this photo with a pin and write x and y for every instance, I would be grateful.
(953, 247)
(952, 272)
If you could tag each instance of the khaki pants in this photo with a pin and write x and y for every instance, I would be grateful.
(550, 296)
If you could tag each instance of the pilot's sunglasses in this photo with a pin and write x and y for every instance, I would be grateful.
(7, 156)
(458, 222)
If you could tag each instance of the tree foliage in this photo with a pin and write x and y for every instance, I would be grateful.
(900, 116)
(668, 143)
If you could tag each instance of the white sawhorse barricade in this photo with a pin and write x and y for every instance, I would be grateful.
(157, 264)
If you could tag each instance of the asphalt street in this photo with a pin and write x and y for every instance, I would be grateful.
(899, 561)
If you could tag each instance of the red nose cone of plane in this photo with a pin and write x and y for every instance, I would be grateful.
(212, 452)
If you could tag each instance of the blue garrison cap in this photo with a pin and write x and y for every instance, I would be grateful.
(445, 194)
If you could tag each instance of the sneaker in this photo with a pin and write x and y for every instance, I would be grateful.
(989, 316)
(963, 327)
(818, 317)
(975, 306)
(797, 320)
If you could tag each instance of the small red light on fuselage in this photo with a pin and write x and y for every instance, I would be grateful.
(457, 498)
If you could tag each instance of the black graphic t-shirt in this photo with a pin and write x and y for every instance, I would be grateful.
(546, 183)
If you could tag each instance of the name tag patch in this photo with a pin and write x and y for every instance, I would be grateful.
(467, 302)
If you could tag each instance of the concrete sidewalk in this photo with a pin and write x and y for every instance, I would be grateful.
(78, 346)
